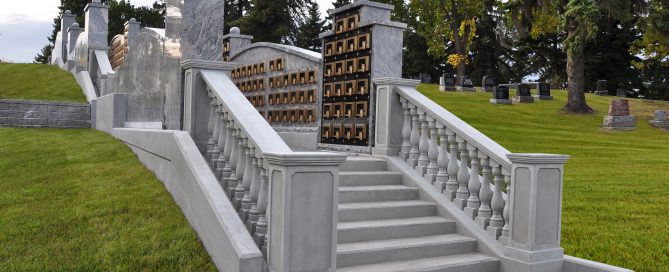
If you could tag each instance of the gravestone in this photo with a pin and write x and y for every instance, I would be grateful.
(449, 84)
(523, 94)
(621, 93)
(544, 91)
(466, 85)
(619, 117)
(660, 120)
(442, 84)
(601, 88)
(500, 95)
(488, 83)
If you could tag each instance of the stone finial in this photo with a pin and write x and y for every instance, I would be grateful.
(68, 12)
(133, 20)
(235, 30)
(75, 25)
(619, 107)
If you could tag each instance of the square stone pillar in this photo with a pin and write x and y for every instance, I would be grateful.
(66, 22)
(196, 101)
(535, 213)
(389, 115)
(97, 19)
(132, 28)
(303, 211)
(73, 33)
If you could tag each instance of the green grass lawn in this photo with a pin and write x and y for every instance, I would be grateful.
(79, 200)
(38, 82)
(616, 190)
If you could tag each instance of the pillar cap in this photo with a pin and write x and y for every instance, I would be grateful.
(537, 158)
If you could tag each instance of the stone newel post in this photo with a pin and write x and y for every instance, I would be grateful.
(97, 18)
(535, 213)
(389, 115)
(65, 22)
(303, 211)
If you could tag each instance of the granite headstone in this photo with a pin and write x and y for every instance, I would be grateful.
(500, 95)
(466, 85)
(488, 83)
(601, 88)
(523, 94)
(544, 91)
(619, 117)
(660, 120)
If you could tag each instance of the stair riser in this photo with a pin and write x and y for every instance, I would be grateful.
(491, 266)
(394, 254)
(393, 232)
(362, 165)
(370, 180)
(380, 195)
(379, 213)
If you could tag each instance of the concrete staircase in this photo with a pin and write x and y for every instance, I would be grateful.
(385, 226)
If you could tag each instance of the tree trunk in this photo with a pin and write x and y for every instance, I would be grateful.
(576, 82)
(461, 72)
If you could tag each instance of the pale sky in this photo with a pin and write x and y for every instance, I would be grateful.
(26, 24)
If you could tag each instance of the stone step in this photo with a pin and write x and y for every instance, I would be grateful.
(470, 262)
(385, 210)
(369, 178)
(358, 164)
(371, 230)
(371, 252)
(349, 194)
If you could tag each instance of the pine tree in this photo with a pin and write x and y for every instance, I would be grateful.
(273, 20)
(234, 11)
(307, 33)
(339, 3)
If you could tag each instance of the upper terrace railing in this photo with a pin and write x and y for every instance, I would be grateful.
(473, 171)
(254, 166)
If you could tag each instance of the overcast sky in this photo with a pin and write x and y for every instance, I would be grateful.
(26, 24)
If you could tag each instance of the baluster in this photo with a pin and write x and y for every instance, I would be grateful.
(485, 195)
(507, 182)
(220, 162)
(496, 221)
(234, 154)
(474, 184)
(227, 152)
(415, 138)
(406, 130)
(432, 152)
(248, 179)
(261, 226)
(442, 160)
(210, 125)
(453, 169)
(255, 192)
(241, 165)
(463, 176)
(215, 148)
(423, 145)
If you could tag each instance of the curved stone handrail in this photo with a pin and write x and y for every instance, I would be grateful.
(457, 125)
(259, 132)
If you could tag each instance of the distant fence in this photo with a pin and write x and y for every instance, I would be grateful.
(29, 113)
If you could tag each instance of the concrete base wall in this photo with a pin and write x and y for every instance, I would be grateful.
(176, 161)
(302, 141)
(28, 113)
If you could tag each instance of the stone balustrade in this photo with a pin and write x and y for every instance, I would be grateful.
(261, 175)
(474, 172)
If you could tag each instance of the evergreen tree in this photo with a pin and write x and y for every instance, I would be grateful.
(235, 10)
(339, 3)
(307, 33)
(273, 20)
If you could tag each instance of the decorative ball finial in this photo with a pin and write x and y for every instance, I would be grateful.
(75, 25)
(234, 30)
(68, 12)
(132, 20)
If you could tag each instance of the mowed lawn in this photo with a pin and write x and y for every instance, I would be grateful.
(38, 82)
(79, 200)
(616, 188)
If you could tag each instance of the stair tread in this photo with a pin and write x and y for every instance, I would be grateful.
(402, 243)
(443, 262)
(374, 188)
(383, 204)
(392, 222)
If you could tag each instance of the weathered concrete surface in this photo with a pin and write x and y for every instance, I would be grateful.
(28, 113)
(110, 111)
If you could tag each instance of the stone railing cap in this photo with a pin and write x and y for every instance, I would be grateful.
(537, 158)
(305, 158)
(207, 64)
(237, 35)
(396, 81)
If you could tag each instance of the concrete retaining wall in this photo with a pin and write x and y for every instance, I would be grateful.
(29, 113)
